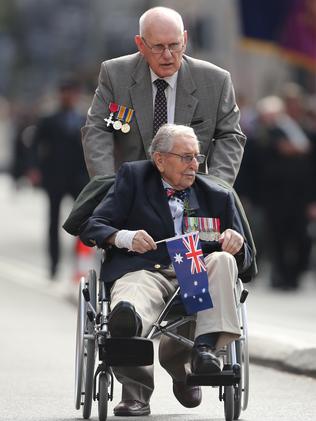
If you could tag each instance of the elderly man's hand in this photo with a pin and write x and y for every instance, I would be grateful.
(143, 242)
(231, 241)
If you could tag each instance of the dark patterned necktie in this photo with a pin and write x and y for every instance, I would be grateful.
(180, 194)
(160, 110)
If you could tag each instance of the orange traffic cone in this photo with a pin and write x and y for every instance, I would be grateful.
(84, 260)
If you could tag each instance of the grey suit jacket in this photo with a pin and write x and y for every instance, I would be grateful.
(205, 100)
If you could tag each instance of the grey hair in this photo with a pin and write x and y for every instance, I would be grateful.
(164, 138)
(159, 11)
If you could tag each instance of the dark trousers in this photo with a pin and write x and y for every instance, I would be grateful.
(53, 244)
(289, 246)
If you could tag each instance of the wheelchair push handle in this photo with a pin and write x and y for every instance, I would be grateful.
(91, 313)
(86, 293)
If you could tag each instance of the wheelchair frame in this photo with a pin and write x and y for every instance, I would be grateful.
(93, 335)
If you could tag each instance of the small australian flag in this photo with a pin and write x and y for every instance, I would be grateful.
(187, 258)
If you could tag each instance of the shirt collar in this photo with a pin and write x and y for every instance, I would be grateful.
(172, 80)
(166, 185)
(193, 202)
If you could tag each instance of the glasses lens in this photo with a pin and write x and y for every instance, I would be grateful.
(188, 158)
(157, 49)
(173, 48)
(200, 158)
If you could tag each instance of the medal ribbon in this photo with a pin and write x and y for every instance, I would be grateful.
(125, 114)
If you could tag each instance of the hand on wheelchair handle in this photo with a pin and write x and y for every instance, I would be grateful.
(231, 241)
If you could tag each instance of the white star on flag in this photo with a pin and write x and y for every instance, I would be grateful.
(178, 258)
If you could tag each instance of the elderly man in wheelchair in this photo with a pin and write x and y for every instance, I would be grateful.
(152, 201)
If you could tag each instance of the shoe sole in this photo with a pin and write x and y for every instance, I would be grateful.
(123, 322)
(132, 414)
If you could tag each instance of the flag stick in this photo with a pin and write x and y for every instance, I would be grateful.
(161, 241)
(177, 236)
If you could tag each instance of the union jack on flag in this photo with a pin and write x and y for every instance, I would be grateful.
(195, 253)
(187, 258)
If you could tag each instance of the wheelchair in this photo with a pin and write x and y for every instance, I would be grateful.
(93, 340)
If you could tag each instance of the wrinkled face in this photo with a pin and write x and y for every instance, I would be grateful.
(164, 34)
(174, 170)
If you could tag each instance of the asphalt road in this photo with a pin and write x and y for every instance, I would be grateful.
(37, 361)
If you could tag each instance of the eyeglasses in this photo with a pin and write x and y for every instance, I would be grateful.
(175, 47)
(189, 158)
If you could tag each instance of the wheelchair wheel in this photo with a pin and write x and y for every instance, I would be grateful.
(103, 396)
(239, 387)
(242, 355)
(85, 348)
(229, 402)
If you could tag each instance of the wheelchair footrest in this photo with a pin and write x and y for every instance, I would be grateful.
(227, 377)
(126, 352)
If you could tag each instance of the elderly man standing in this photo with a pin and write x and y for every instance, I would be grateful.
(139, 211)
(138, 93)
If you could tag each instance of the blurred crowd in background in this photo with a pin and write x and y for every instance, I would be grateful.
(50, 57)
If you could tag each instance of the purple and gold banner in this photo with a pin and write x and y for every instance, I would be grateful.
(287, 24)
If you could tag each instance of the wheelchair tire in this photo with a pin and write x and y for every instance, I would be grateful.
(243, 359)
(103, 396)
(85, 348)
(229, 404)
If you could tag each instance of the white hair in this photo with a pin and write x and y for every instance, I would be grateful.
(164, 138)
(159, 12)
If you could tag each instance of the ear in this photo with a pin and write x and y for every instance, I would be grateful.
(139, 42)
(185, 40)
(159, 161)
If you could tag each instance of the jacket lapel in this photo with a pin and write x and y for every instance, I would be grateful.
(142, 100)
(158, 200)
(186, 102)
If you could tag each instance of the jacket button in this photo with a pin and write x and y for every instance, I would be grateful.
(157, 266)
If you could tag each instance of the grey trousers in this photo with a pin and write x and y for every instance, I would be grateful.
(148, 292)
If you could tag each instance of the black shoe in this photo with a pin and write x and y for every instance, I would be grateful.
(123, 320)
(203, 361)
(131, 408)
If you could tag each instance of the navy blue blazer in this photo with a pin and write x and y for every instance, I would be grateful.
(137, 200)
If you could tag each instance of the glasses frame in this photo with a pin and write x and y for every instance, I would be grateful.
(163, 47)
(188, 158)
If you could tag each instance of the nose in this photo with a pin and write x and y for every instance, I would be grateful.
(194, 164)
(166, 52)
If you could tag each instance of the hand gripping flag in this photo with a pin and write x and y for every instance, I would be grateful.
(188, 262)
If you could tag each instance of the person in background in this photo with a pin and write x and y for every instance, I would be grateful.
(57, 160)
(285, 189)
